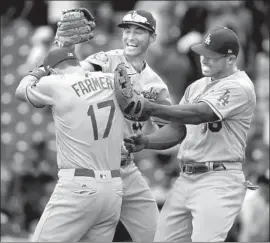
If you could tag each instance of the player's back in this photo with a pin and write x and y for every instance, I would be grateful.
(88, 122)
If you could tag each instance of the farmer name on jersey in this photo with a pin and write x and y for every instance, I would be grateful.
(92, 84)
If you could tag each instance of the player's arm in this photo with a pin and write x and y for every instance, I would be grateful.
(164, 138)
(87, 66)
(186, 114)
(163, 99)
(30, 79)
(38, 91)
(97, 62)
(228, 101)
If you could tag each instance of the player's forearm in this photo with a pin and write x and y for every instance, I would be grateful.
(186, 114)
(166, 137)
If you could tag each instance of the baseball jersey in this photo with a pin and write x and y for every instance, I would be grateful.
(88, 120)
(147, 82)
(233, 100)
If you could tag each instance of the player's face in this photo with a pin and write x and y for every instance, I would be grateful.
(136, 40)
(214, 67)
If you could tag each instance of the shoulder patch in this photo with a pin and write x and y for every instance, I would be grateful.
(102, 57)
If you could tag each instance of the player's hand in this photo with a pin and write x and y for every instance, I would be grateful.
(136, 143)
(75, 26)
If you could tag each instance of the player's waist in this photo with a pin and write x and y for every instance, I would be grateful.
(202, 167)
(97, 174)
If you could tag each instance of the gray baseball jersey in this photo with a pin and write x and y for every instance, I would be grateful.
(88, 101)
(233, 100)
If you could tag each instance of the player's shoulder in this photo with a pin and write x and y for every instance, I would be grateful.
(239, 80)
(98, 74)
(104, 58)
(51, 78)
(115, 52)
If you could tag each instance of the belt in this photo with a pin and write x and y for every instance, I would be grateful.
(203, 167)
(91, 173)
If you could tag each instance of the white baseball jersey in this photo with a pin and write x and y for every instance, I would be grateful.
(233, 100)
(88, 121)
(147, 82)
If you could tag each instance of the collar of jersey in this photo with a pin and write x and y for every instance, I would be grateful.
(132, 69)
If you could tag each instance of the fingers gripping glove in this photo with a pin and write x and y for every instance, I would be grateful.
(75, 26)
(130, 101)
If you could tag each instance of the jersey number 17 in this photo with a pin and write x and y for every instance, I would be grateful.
(91, 113)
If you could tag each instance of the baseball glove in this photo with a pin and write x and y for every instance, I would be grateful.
(129, 100)
(75, 26)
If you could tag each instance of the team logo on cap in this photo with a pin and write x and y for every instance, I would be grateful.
(134, 14)
(229, 51)
(70, 54)
(208, 39)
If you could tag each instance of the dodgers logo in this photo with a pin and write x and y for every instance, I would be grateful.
(208, 39)
(134, 14)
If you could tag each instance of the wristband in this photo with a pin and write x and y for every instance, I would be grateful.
(38, 73)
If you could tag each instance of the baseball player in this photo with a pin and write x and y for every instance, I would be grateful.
(217, 110)
(85, 204)
(139, 212)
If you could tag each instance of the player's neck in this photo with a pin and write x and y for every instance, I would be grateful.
(138, 63)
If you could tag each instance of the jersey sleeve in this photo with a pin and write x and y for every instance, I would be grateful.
(41, 92)
(228, 101)
(184, 99)
(163, 99)
(101, 59)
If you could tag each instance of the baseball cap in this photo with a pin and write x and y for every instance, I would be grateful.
(217, 43)
(140, 18)
(56, 56)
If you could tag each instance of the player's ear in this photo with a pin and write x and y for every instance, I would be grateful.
(153, 38)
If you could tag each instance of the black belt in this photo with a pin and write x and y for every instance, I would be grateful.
(196, 167)
(91, 173)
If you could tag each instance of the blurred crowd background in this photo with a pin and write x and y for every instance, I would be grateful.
(28, 158)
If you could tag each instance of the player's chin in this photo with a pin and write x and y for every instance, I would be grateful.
(206, 73)
(130, 52)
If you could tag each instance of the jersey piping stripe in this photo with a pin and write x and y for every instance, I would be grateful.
(27, 97)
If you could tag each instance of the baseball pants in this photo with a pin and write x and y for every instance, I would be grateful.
(201, 207)
(81, 208)
(139, 211)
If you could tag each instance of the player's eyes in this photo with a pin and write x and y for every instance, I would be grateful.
(139, 32)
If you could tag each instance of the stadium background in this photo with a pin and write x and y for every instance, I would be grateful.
(28, 159)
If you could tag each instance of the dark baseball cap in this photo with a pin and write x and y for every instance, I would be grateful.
(217, 43)
(57, 56)
(140, 18)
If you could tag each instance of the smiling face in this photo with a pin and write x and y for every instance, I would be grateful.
(217, 67)
(136, 40)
